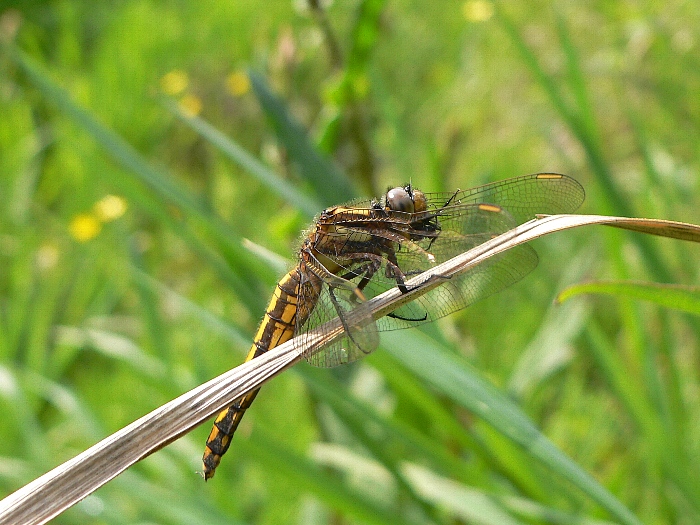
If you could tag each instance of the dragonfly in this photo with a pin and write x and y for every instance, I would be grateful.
(356, 251)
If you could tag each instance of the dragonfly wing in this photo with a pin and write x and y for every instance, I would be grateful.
(401, 245)
(461, 228)
(328, 298)
(491, 276)
(523, 197)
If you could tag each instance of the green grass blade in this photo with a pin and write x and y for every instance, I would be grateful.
(119, 149)
(239, 258)
(584, 107)
(154, 496)
(580, 123)
(238, 154)
(665, 450)
(571, 116)
(466, 504)
(676, 297)
(157, 334)
(330, 184)
(452, 378)
(327, 488)
(476, 506)
(376, 433)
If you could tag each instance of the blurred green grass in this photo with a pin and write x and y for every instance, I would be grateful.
(104, 317)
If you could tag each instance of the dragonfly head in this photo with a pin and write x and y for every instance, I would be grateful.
(406, 199)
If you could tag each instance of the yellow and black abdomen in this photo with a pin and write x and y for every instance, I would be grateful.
(276, 328)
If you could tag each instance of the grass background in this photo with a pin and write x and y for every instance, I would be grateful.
(110, 307)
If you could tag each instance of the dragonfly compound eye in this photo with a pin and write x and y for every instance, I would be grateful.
(398, 199)
(420, 203)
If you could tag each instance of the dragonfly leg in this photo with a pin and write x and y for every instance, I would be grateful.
(400, 318)
(394, 272)
(371, 269)
(348, 330)
(367, 271)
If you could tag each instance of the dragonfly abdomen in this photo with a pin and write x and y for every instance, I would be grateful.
(276, 328)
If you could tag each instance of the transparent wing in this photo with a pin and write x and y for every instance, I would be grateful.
(382, 250)
(490, 277)
(478, 224)
(323, 297)
(523, 197)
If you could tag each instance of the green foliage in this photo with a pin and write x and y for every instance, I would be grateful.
(138, 242)
(678, 297)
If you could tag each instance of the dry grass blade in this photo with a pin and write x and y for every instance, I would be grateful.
(544, 225)
(67, 484)
(52, 493)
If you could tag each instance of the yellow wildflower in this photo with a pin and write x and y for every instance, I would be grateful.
(174, 83)
(477, 10)
(109, 208)
(84, 227)
(238, 83)
(191, 105)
